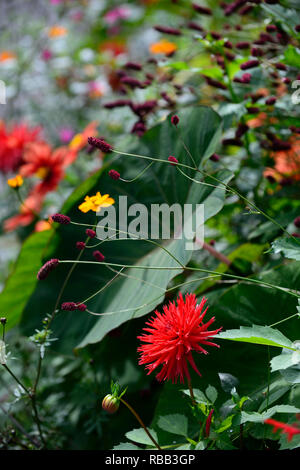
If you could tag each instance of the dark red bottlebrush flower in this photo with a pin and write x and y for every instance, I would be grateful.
(47, 268)
(175, 120)
(208, 423)
(70, 306)
(297, 221)
(215, 35)
(139, 128)
(215, 83)
(173, 160)
(271, 100)
(271, 28)
(232, 7)
(249, 64)
(172, 336)
(241, 130)
(297, 28)
(280, 66)
(117, 104)
(132, 82)
(98, 256)
(100, 144)
(228, 44)
(90, 233)
(80, 245)
(242, 45)
(81, 307)
(142, 109)
(61, 219)
(252, 110)
(133, 66)
(286, 80)
(115, 175)
(194, 26)
(297, 235)
(245, 10)
(257, 52)
(288, 429)
(235, 142)
(202, 10)
(168, 30)
(215, 157)
(167, 98)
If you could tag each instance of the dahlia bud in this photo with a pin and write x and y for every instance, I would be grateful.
(90, 233)
(100, 144)
(61, 219)
(175, 120)
(115, 175)
(80, 245)
(110, 404)
(98, 256)
(47, 268)
(173, 160)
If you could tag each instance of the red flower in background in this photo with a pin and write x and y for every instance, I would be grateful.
(48, 164)
(12, 145)
(28, 212)
(288, 429)
(173, 335)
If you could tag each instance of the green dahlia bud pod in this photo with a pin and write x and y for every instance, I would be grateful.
(110, 404)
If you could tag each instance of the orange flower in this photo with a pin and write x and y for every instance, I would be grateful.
(286, 162)
(116, 47)
(79, 141)
(42, 225)
(7, 55)
(260, 120)
(163, 47)
(57, 31)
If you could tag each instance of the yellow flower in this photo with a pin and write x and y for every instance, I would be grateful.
(95, 203)
(163, 47)
(15, 182)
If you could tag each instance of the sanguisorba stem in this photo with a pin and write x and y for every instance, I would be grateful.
(141, 423)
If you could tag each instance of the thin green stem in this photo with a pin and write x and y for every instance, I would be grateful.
(141, 422)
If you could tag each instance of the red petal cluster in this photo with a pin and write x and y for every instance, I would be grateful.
(172, 336)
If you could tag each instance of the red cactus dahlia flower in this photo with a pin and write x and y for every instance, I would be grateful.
(173, 335)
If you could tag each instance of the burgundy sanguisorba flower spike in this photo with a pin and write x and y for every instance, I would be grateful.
(171, 337)
(115, 175)
(47, 268)
(173, 160)
(100, 144)
(90, 233)
(69, 306)
(61, 219)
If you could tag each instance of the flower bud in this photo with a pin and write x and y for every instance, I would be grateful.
(110, 404)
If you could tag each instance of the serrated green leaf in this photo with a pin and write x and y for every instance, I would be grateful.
(139, 435)
(211, 393)
(174, 424)
(288, 246)
(258, 335)
(255, 417)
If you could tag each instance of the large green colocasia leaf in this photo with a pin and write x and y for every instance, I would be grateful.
(135, 291)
